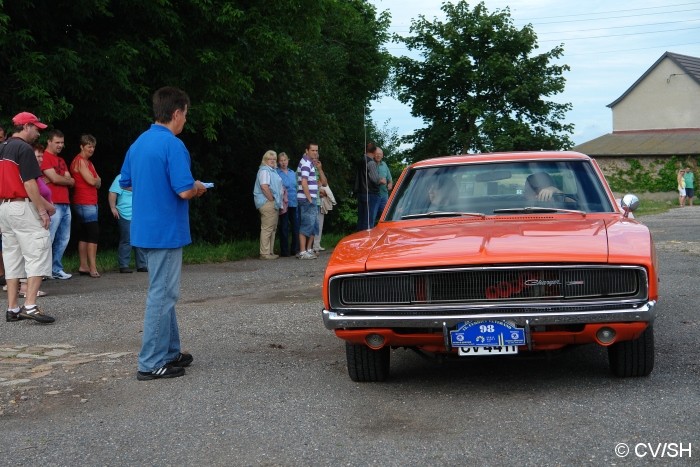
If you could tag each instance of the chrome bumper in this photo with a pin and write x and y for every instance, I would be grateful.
(335, 320)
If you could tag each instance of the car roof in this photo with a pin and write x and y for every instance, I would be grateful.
(501, 157)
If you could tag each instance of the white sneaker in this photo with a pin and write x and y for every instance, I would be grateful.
(63, 275)
(307, 255)
(320, 248)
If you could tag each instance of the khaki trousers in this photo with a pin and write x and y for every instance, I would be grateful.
(268, 226)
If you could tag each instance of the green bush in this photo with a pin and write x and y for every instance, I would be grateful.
(657, 177)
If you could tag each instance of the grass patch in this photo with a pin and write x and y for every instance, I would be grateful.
(200, 253)
(649, 207)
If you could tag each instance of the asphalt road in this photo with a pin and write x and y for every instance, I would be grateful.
(269, 385)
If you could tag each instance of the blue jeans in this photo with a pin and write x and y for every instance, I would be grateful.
(124, 248)
(367, 205)
(289, 217)
(60, 235)
(161, 338)
(380, 208)
(308, 216)
(86, 212)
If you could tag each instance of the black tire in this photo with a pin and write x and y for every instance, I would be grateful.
(366, 365)
(633, 358)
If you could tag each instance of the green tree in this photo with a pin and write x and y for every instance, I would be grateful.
(479, 85)
(270, 74)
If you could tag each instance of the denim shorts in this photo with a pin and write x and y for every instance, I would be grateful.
(86, 212)
(308, 216)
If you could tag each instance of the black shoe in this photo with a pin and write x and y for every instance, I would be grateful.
(166, 371)
(11, 316)
(142, 269)
(36, 314)
(182, 360)
(125, 270)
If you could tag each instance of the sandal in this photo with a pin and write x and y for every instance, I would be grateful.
(95, 275)
(40, 293)
(84, 273)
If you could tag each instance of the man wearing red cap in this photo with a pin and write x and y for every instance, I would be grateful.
(24, 219)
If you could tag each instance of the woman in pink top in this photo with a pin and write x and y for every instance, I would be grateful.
(85, 205)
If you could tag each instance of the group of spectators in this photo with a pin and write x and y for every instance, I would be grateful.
(297, 202)
(36, 185)
(155, 184)
(64, 190)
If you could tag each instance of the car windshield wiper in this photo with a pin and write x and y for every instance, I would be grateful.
(443, 214)
(537, 209)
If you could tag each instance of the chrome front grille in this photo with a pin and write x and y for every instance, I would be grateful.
(486, 285)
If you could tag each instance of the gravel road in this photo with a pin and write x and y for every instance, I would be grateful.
(269, 386)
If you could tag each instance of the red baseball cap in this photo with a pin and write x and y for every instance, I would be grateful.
(23, 118)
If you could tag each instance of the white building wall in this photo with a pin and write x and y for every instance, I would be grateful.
(667, 98)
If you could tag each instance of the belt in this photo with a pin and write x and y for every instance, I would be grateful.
(5, 200)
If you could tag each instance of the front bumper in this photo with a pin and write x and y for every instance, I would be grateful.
(642, 313)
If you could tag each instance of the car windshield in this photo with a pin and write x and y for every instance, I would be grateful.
(500, 189)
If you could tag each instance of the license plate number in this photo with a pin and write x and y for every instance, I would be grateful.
(485, 351)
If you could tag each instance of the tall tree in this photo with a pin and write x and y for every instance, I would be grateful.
(479, 85)
(269, 74)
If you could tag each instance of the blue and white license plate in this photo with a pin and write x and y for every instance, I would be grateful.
(487, 338)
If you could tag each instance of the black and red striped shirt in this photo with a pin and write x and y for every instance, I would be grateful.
(17, 165)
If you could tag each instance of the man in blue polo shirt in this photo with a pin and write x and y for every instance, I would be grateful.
(157, 170)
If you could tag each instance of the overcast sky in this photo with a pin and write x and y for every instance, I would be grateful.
(608, 46)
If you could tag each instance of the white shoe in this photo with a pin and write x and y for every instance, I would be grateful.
(63, 275)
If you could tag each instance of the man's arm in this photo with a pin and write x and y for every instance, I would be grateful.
(373, 173)
(196, 191)
(322, 180)
(53, 177)
(305, 188)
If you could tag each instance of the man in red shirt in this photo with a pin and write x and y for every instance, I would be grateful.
(2, 265)
(24, 219)
(58, 179)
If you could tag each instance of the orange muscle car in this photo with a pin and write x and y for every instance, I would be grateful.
(496, 254)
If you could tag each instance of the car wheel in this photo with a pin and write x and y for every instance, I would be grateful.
(635, 357)
(366, 365)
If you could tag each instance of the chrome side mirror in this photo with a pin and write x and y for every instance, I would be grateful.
(629, 203)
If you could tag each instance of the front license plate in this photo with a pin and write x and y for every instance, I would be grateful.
(487, 338)
(485, 351)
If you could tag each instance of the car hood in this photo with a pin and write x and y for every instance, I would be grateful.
(490, 242)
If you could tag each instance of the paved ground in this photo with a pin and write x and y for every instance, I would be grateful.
(96, 336)
(269, 384)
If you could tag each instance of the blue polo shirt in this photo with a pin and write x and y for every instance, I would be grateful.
(157, 168)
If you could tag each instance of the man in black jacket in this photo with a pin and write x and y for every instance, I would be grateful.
(366, 190)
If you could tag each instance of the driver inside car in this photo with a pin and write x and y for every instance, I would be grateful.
(540, 186)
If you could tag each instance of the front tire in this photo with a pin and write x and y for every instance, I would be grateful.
(366, 365)
(635, 357)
